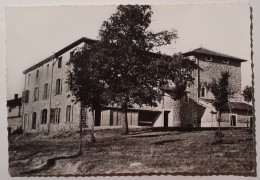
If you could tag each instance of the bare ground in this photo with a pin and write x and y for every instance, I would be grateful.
(145, 150)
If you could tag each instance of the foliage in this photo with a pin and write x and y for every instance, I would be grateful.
(248, 93)
(221, 91)
(120, 69)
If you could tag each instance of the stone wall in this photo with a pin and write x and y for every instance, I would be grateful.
(61, 100)
(213, 69)
(14, 123)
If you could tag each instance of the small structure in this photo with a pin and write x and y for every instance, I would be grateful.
(14, 117)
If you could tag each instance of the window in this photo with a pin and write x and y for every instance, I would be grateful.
(58, 87)
(226, 61)
(57, 115)
(37, 74)
(233, 119)
(47, 69)
(59, 62)
(45, 91)
(44, 116)
(203, 92)
(36, 94)
(69, 82)
(208, 58)
(34, 116)
(68, 114)
(29, 78)
(71, 54)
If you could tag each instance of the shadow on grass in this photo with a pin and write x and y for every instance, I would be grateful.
(50, 163)
(167, 141)
(152, 135)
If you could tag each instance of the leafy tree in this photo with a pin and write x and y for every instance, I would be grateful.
(132, 72)
(248, 96)
(86, 83)
(221, 92)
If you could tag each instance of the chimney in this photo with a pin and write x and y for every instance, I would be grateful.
(15, 96)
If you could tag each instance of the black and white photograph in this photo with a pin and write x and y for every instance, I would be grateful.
(125, 90)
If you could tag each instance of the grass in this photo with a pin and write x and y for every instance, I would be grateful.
(158, 151)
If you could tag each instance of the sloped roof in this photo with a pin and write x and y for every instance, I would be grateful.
(212, 53)
(58, 53)
(14, 102)
(234, 105)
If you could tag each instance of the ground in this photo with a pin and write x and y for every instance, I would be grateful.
(145, 150)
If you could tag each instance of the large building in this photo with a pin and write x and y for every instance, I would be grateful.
(48, 104)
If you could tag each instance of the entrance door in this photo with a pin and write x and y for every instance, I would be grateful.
(166, 118)
(233, 120)
(251, 121)
(34, 115)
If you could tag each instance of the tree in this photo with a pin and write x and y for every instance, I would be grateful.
(86, 83)
(221, 92)
(130, 70)
(248, 96)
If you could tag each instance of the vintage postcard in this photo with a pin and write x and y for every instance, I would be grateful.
(114, 90)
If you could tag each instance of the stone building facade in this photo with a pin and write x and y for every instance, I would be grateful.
(211, 64)
(14, 113)
(48, 104)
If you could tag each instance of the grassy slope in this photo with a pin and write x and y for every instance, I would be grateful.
(158, 152)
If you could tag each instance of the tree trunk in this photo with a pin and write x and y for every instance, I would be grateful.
(219, 119)
(80, 132)
(231, 119)
(92, 137)
(125, 130)
(247, 116)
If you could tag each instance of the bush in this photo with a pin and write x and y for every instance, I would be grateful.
(219, 136)
(189, 127)
(18, 131)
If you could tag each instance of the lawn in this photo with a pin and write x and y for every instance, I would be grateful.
(145, 150)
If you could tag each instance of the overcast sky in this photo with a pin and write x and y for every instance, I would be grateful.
(34, 33)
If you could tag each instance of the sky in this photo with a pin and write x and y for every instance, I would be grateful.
(34, 33)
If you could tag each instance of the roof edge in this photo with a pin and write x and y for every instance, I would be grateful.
(223, 55)
(58, 53)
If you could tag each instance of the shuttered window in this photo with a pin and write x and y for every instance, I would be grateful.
(57, 115)
(45, 91)
(36, 94)
(44, 116)
(58, 87)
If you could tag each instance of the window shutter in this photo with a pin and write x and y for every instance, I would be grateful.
(48, 91)
(43, 93)
(58, 115)
(60, 86)
(52, 115)
(37, 93)
(41, 117)
(27, 92)
(23, 97)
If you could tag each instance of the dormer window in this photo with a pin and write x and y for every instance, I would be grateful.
(226, 61)
(208, 58)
